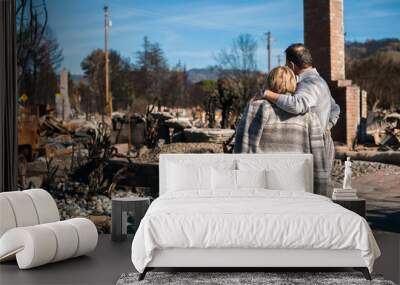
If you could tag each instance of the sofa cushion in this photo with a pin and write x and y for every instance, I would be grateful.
(41, 244)
(32, 246)
(26, 208)
(23, 208)
(87, 235)
(45, 205)
(67, 240)
(7, 218)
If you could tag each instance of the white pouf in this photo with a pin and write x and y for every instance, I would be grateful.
(31, 232)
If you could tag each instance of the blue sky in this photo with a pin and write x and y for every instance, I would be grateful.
(195, 31)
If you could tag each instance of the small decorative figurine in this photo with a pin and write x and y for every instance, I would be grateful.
(347, 174)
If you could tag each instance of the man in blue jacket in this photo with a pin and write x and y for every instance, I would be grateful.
(312, 94)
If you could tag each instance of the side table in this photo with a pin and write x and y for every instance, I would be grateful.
(356, 205)
(120, 207)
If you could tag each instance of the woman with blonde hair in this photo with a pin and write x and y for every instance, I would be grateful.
(266, 128)
(282, 79)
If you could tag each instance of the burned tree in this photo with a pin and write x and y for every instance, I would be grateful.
(151, 71)
(226, 97)
(209, 87)
(121, 78)
(38, 53)
(99, 153)
(238, 67)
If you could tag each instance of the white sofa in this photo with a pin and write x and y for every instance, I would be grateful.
(31, 230)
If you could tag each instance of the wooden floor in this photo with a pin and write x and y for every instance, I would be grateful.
(111, 259)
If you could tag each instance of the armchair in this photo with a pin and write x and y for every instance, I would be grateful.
(31, 231)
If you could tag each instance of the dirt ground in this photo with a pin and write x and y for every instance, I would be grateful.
(381, 189)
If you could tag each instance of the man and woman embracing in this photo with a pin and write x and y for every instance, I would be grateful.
(294, 114)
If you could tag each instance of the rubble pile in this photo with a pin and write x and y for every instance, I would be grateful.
(163, 116)
(360, 168)
(178, 124)
(385, 130)
(208, 135)
(152, 155)
(97, 208)
(49, 126)
(84, 162)
(178, 129)
(57, 138)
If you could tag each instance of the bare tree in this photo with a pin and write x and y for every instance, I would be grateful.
(38, 53)
(240, 58)
(31, 26)
(238, 69)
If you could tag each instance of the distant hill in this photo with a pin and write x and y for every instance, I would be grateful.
(375, 66)
(362, 50)
(198, 74)
(194, 75)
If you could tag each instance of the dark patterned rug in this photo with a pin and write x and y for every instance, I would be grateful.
(243, 278)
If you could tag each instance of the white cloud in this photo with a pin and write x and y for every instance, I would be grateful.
(217, 16)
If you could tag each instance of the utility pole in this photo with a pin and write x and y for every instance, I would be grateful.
(108, 99)
(268, 34)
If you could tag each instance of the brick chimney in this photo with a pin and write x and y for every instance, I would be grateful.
(324, 36)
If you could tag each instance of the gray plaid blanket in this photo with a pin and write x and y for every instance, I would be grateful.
(265, 128)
